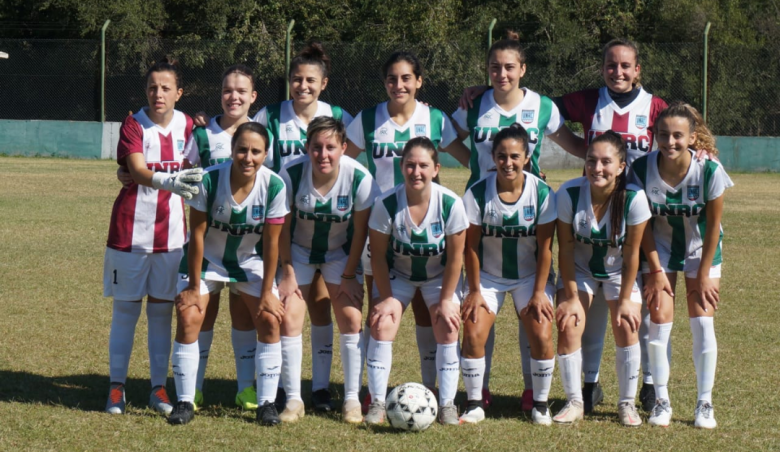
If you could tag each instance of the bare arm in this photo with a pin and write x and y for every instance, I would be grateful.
(571, 143)
(352, 150)
(708, 290)
(379, 266)
(459, 150)
(627, 309)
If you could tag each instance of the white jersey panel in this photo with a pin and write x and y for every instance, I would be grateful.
(209, 145)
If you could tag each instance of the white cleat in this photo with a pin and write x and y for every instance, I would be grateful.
(661, 414)
(704, 416)
(540, 415)
(570, 413)
(473, 414)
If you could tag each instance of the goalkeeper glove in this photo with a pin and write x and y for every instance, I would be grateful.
(183, 183)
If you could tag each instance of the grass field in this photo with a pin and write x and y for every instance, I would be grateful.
(55, 324)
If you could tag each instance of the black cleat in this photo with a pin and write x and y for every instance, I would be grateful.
(182, 413)
(647, 397)
(281, 400)
(267, 414)
(320, 400)
(592, 395)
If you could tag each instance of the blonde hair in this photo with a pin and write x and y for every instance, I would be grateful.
(705, 140)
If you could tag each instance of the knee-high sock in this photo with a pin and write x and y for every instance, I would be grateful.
(292, 355)
(525, 358)
(244, 347)
(593, 337)
(644, 344)
(268, 362)
(321, 356)
(473, 372)
(426, 345)
(159, 317)
(489, 346)
(448, 365)
(627, 369)
(659, 363)
(571, 374)
(542, 374)
(365, 337)
(351, 351)
(378, 363)
(120, 340)
(205, 338)
(185, 370)
(705, 355)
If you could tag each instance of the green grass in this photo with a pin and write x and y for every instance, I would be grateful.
(55, 324)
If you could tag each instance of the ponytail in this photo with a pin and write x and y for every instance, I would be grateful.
(617, 199)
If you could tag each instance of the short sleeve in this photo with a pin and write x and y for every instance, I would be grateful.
(556, 120)
(457, 221)
(200, 201)
(262, 117)
(191, 151)
(380, 220)
(719, 181)
(277, 198)
(346, 118)
(473, 212)
(563, 206)
(131, 139)
(548, 211)
(367, 192)
(448, 133)
(461, 118)
(288, 185)
(355, 132)
(581, 105)
(639, 210)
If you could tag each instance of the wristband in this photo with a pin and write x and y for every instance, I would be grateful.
(652, 272)
(347, 277)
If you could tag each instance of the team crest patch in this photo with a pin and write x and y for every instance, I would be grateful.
(641, 121)
(693, 192)
(342, 202)
(257, 212)
(528, 213)
(527, 116)
(436, 229)
(180, 145)
(419, 130)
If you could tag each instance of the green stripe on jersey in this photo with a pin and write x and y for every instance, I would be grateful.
(678, 246)
(337, 112)
(419, 272)
(210, 186)
(472, 116)
(447, 203)
(436, 125)
(545, 111)
(574, 194)
(509, 249)
(368, 118)
(319, 243)
(639, 167)
(478, 190)
(230, 258)
(296, 174)
(204, 149)
(542, 193)
(709, 170)
(400, 137)
(596, 263)
(273, 114)
(357, 179)
(275, 186)
(391, 205)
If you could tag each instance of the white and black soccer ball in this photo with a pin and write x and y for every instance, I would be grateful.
(412, 407)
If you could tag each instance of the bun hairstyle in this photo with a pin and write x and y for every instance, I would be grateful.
(166, 65)
(248, 127)
(617, 199)
(325, 124)
(400, 56)
(242, 70)
(313, 53)
(420, 142)
(625, 43)
(704, 138)
(514, 132)
(511, 42)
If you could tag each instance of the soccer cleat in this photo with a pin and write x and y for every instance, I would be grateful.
(247, 399)
(320, 400)
(365, 403)
(661, 414)
(198, 402)
(281, 399)
(540, 414)
(376, 413)
(116, 399)
(159, 401)
(528, 400)
(474, 412)
(704, 416)
(182, 413)
(647, 397)
(293, 411)
(628, 415)
(267, 414)
(487, 399)
(570, 413)
(592, 395)
(448, 414)
(352, 411)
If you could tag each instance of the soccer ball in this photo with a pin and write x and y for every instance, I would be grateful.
(412, 407)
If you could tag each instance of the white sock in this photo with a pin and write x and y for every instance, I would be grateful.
(473, 370)
(426, 345)
(705, 355)
(321, 356)
(351, 351)
(571, 375)
(185, 370)
(525, 357)
(593, 337)
(542, 373)
(205, 338)
(365, 337)
(268, 362)
(627, 369)
(489, 346)
(158, 316)
(379, 361)
(448, 368)
(292, 355)
(659, 364)
(244, 346)
(644, 344)
(120, 340)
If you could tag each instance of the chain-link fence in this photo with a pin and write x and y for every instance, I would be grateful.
(60, 79)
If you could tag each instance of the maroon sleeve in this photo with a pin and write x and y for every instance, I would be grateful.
(131, 140)
(189, 127)
(657, 105)
(581, 106)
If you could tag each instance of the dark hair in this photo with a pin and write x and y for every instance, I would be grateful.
(166, 65)
(625, 43)
(242, 70)
(421, 142)
(618, 196)
(324, 124)
(514, 132)
(400, 56)
(511, 42)
(313, 54)
(247, 127)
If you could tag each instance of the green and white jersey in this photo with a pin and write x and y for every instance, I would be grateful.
(383, 140)
(508, 246)
(417, 252)
(594, 250)
(680, 213)
(289, 130)
(322, 224)
(233, 249)
(537, 114)
(209, 145)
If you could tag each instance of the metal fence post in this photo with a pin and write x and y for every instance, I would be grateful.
(704, 72)
(287, 50)
(489, 44)
(103, 71)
